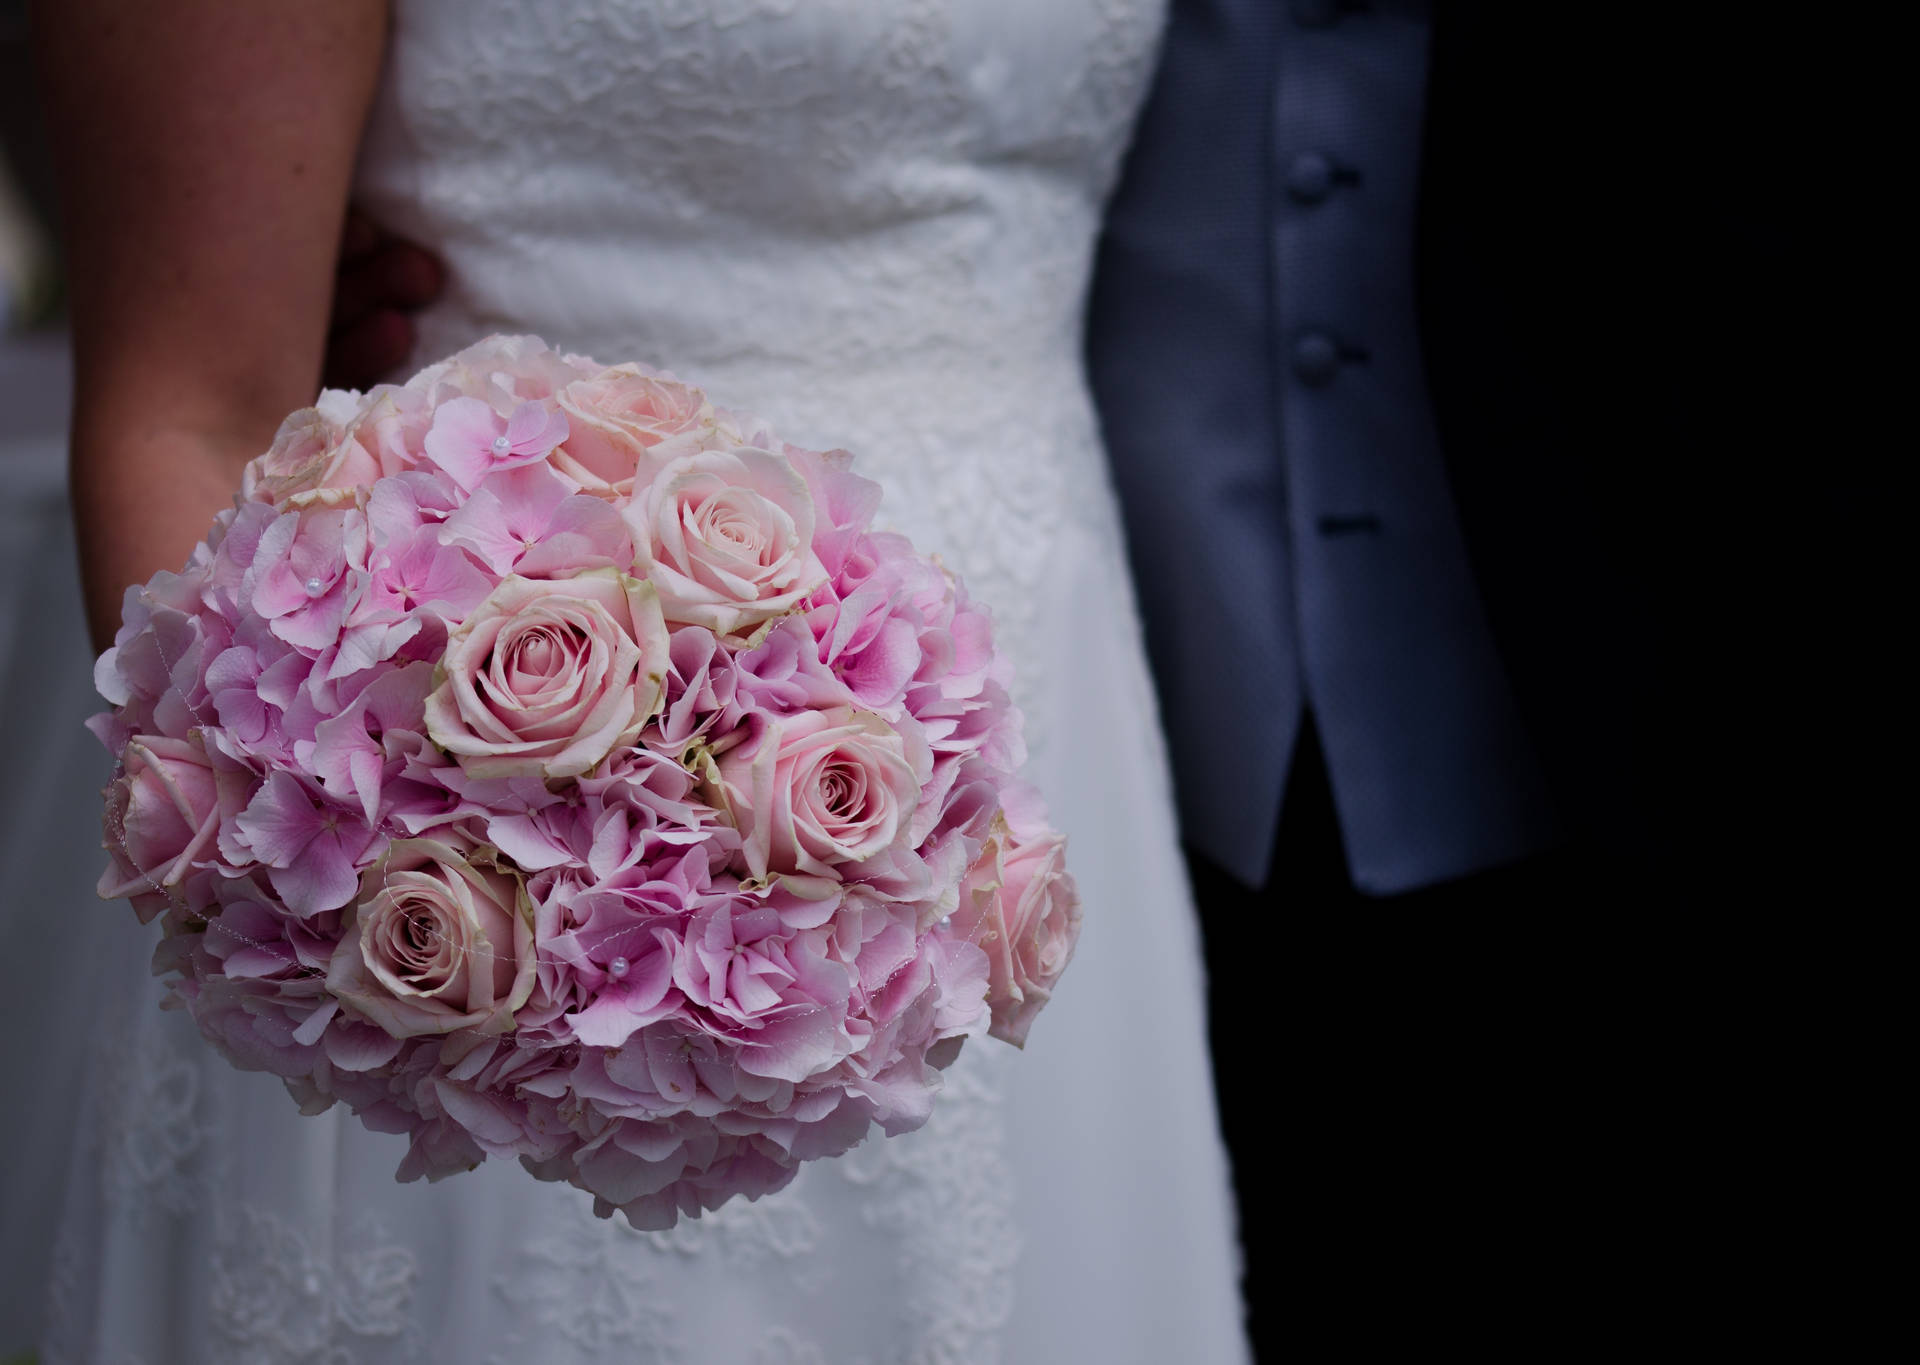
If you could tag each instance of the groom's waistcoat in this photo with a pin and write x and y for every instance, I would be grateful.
(1255, 352)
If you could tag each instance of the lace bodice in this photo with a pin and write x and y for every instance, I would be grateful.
(870, 223)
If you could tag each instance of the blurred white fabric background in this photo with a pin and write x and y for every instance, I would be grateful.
(58, 948)
(62, 944)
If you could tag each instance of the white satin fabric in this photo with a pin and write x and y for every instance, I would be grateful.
(871, 224)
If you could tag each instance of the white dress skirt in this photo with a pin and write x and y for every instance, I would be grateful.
(871, 224)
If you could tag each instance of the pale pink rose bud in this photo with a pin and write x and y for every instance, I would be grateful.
(822, 789)
(624, 421)
(503, 370)
(727, 538)
(163, 811)
(318, 454)
(441, 939)
(1018, 903)
(548, 676)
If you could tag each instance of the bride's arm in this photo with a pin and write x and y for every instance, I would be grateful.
(205, 148)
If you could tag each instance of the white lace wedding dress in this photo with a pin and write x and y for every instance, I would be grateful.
(869, 221)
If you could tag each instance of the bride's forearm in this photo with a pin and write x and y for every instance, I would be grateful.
(202, 220)
(142, 499)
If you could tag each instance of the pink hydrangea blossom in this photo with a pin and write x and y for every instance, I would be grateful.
(312, 848)
(307, 571)
(469, 440)
(530, 522)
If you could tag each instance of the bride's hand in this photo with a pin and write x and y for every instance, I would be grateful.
(383, 280)
(206, 147)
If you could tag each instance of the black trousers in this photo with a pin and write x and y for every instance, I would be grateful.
(1385, 1069)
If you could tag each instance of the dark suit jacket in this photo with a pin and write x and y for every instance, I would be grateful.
(1624, 345)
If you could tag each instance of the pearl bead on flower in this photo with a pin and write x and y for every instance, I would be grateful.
(314, 587)
(618, 968)
(501, 445)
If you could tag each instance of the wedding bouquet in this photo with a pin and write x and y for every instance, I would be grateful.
(545, 762)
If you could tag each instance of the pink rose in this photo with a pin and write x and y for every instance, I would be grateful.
(441, 939)
(502, 370)
(314, 453)
(1020, 905)
(163, 811)
(821, 789)
(548, 676)
(624, 420)
(392, 428)
(727, 537)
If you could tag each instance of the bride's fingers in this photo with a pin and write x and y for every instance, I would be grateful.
(360, 354)
(360, 236)
(395, 274)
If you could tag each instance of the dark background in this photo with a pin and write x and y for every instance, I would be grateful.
(1647, 248)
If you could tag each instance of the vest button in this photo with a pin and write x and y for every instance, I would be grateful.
(1310, 177)
(1316, 359)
